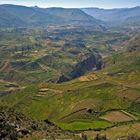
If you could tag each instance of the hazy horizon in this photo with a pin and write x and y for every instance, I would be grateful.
(106, 4)
(69, 7)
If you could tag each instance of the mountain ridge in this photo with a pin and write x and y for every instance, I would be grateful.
(114, 16)
(35, 16)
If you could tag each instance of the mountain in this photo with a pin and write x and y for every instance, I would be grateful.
(13, 15)
(27, 16)
(7, 19)
(133, 20)
(67, 14)
(117, 16)
(69, 81)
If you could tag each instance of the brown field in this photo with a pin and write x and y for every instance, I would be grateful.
(117, 116)
(129, 94)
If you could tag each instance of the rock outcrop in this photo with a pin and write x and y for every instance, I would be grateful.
(91, 63)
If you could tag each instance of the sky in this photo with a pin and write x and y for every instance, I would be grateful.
(107, 4)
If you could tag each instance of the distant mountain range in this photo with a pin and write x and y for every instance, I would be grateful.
(116, 16)
(13, 15)
(22, 16)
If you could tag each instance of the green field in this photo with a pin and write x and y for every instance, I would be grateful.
(32, 65)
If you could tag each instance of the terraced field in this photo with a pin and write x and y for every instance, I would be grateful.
(102, 102)
(118, 116)
(55, 81)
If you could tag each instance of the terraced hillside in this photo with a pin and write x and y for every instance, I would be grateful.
(69, 81)
(103, 101)
(37, 55)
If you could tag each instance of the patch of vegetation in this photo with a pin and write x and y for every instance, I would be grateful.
(85, 125)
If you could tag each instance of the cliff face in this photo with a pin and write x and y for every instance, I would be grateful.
(91, 63)
(86, 65)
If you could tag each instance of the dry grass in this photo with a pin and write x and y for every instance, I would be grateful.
(89, 77)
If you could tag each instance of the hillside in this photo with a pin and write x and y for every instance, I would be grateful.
(21, 16)
(89, 102)
(116, 16)
(37, 55)
(67, 75)
(132, 44)
(101, 101)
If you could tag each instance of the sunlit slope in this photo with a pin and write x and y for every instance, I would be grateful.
(90, 99)
(44, 55)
